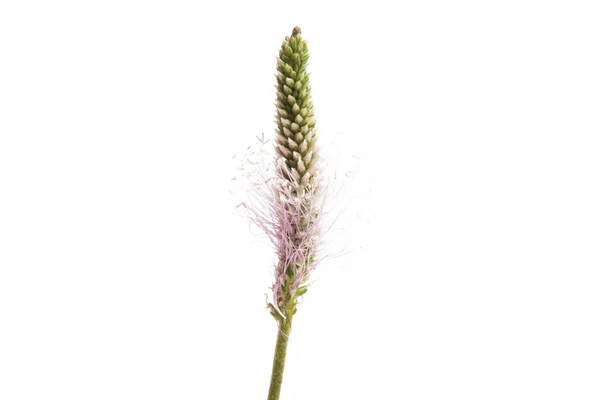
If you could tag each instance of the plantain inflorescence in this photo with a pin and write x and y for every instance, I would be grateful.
(298, 207)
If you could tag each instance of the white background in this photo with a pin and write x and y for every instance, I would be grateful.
(125, 273)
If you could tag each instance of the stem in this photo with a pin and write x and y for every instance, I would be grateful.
(279, 359)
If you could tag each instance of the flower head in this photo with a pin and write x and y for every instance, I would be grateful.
(285, 198)
(297, 204)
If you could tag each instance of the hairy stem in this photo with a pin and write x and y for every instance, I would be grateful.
(279, 359)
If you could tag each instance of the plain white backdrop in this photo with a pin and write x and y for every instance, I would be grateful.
(125, 273)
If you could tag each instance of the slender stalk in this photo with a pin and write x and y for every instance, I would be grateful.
(279, 359)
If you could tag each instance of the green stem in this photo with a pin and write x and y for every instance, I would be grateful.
(279, 359)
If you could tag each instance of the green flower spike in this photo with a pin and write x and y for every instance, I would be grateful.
(296, 204)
